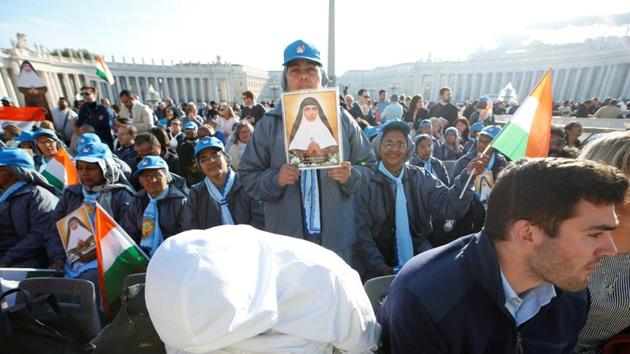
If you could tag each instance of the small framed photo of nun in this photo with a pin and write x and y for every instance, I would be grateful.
(312, 128)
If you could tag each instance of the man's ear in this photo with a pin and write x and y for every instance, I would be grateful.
(524, 233)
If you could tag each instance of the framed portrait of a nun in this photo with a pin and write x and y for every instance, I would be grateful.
(312, 128)
(77, 234)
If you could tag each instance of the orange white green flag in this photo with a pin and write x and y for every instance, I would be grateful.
(102, 71)
(529, 131)
(117, 254)
(60, 171)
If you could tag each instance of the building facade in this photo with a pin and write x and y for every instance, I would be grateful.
(183, 82)
(580, 70)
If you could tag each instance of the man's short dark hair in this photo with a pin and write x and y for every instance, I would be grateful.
(89, 88)
(361, 92)
(62, 99)
(161, 135)
(248, 94)
(546, 192)
(131, 130)
(147, 138)
(382, 91)
(444, 89)
(127, 93)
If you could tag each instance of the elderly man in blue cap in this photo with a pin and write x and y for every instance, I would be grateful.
(394, 210)
(26, 205)
(219, 199)
(316, 205)
(157, 210)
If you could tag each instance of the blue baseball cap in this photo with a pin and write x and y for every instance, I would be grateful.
(163, 123)
(425, 123)
(151, 163)
(484, 99)
(16, 157)
(25, 136)
(93, 152)
(371, 131)
(491, 131)
(190, 125)
(87, 138)
(208, 142)
(44, 132)
(476, 127)
(396, 124)
(301, 50)
(451, 130)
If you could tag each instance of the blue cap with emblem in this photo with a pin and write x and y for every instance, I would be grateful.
(491, 131)
(88, 138)
(476, 127)
(151, 163)
(16, 157)
(208, 142)
(301, 50)
(396, 124)
(93, 152)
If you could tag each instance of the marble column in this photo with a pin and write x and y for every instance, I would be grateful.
(176, 88)
(573, 92)
(185, 90)
(202, 88)
(193, 90)
(165, 88)
(69, 91)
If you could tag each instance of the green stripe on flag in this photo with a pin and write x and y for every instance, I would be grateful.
(512, 142)
(130, 261)
(53, 180)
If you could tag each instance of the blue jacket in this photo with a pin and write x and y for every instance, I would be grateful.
(70, 201)
(375, 207)
(438, 168)
(171, 210)
(258, 170)
(202, 212)
(451, 300)
(24, 219)
(499, 163)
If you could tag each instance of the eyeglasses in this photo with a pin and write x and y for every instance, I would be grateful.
(388, 145)
(156, 176)
(87, 93)
(49, 142)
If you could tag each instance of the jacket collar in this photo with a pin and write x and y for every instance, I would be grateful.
(481, 260)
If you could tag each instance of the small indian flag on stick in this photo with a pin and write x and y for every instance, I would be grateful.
(118, 256)
(102, 70)
(529, 131)
(60, 171)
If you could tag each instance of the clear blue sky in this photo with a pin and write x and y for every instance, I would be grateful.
(370, 33)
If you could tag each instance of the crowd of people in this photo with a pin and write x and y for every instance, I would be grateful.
(521, 240)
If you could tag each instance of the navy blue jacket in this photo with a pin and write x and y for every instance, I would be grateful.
(24, 219)
(451, 300)
(436, 165)
(171, 210)
(70, 201)
(100, 117)
(202, 212)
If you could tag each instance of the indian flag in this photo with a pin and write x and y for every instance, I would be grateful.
(529, 131)
(102, 70)
(23, 117)
(60, 171)
(118, 256)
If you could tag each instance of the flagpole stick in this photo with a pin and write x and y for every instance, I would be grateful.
(470, 176)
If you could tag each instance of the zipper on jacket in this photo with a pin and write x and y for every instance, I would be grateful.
(519, 343)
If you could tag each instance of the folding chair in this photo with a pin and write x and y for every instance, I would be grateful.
(133, 279)
(75, 297)
(377, 289)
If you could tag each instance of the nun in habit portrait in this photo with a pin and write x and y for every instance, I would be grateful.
(80, 239)
(311, 135)
(33, 87)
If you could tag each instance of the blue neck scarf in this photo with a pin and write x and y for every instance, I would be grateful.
(404, 245)
(151, 233)
(90, 200)
(14, 188)
(427, 165)
(310, 203)
(221, 199)
(491, 162)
